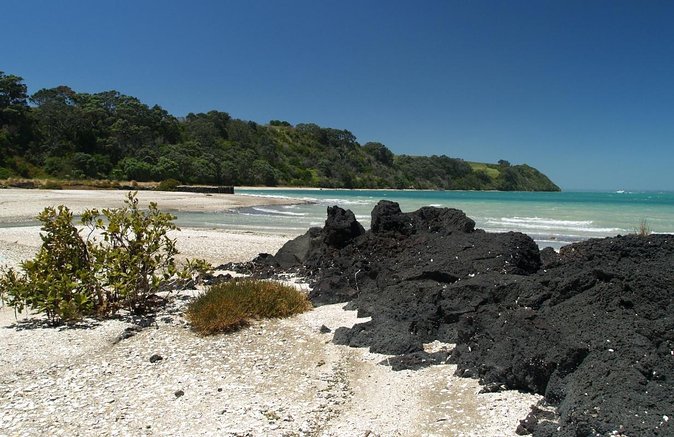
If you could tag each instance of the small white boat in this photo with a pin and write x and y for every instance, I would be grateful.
(620, 191)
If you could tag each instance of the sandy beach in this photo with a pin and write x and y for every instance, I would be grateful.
(19, 205)
(278, 377)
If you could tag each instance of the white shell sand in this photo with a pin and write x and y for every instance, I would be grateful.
(278, 377)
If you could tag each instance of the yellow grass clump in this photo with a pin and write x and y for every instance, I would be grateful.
(644, 229)
(231, 305)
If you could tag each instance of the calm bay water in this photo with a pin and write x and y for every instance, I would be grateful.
(552, 219)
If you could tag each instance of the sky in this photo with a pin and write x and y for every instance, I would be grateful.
(582, 90)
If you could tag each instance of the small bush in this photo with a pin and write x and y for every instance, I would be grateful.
(59, 281)
(168, 185)
(231, 305)
(72, 277)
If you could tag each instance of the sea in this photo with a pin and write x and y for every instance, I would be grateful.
(552, 219)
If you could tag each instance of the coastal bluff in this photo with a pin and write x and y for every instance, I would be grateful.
(590, 328)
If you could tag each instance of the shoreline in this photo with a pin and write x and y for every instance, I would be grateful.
(20, 205)
(266, 188)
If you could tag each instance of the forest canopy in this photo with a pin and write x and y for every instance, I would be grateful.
(61, 133)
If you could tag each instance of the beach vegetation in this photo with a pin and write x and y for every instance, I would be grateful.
(643, 229)
(168, 185)
(59, 282)
(125, 259)
(231, 305)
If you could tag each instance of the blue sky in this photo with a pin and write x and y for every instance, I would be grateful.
(582, 90)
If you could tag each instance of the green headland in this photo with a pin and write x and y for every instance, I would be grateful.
(64, 134)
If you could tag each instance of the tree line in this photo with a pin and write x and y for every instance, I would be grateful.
(61, 133)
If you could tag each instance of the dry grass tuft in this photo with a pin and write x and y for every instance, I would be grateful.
(644, 229)
(231, 305)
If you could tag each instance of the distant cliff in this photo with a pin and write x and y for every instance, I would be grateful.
(108, 135)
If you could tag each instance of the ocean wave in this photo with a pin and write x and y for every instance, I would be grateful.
(281, 196)
(557, 242)
(589, 230)
(272, 196)
(542, 221)
(331, 202)
(546, 224)
(257, 228)
(269, 211)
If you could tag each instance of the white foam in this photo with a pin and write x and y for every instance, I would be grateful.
(543, 221)
(546, 224)
(277, 212)
(331, 202)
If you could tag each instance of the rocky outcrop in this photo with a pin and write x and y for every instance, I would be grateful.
(591, 328)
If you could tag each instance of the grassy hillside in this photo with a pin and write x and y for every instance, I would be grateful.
(64, 134)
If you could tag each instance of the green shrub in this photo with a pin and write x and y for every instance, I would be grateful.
(6, 173)
(168, 185)
(231, 305)
(59, 281)
(122, 267)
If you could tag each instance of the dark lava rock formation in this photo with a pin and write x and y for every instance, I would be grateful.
(590, 328)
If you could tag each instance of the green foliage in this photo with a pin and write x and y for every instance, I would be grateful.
(75, 135)
(523, 178)
(231, 305)
(124, 261)
(380, 152)
(280, 123)
(58, 281)
(135, 253)
(168, 185)
(15, 129)
(6, 173)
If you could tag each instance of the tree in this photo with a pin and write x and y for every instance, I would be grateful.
(379, 152)
(14, 121)
(56, 120)
(13, 92)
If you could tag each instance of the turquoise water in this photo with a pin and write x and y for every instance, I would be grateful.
(552, 219)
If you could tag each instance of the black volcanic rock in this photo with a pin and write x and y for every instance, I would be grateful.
(387, 217)
(591, 327)
(296, 251)
(341, 227)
